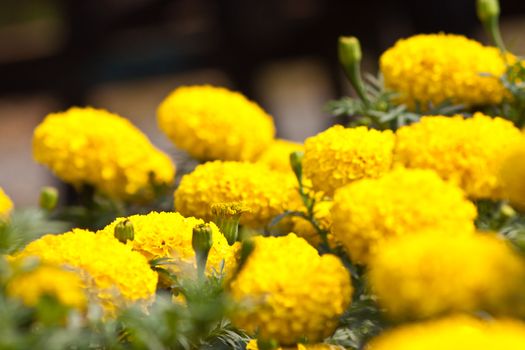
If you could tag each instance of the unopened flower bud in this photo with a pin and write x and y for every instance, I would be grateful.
(487, 9)
(201, 242)
(124, 231)
(296, 161)
(349, 51)
(227, 217)
(48, 198)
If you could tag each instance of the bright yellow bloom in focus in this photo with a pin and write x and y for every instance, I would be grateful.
(286, 291)
(338, 156)
(277, 155)
(467, 152)
(99, 148)
(6, 205)
(366, 213)
(432, 274)
(118, 275)
(252, 345)
(439, 67)
(512, 176)
(214, 123)
(65, 286)
(454, 333)
(161, 235)
(263, 192)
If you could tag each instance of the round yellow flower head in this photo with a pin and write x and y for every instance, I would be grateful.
(252, 345)
(453, 333)
(366, 213)
(99, 148)
(338, 156)
(303, 228)
(434, 68)
(161, 235)
(214, 123)
(265, 193)
(287, 292)
(464, 151)
(512, 176)
(6, 205)
(432, 274)
(118, 275)
(46, 280)
(277, 155)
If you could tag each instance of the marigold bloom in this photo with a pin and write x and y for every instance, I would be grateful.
(277, 155)
(402, 202)
(464, 151)
(65, 286)
(214, 123)
(432, 274)
(439, 67)
(252, 345)
(265, 193)
(286, 291)
(512, 176)
(6, 205)
(453, 333)
(99, 148)
(338, 156)
(118, 275)
(161, 235)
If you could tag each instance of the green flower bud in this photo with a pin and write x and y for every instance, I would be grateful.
(350, 55)
(296, 161)
(227, 217)
(124, 231)
(48, 198)
(201, 242)
(487, 9)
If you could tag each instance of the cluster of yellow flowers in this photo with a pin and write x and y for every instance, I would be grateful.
(466, 151)
(338, 156)
(264, 192)
(117, 274)
(435, 273)
(401, 202)
(214, 123)
(453, 333)
(94, 147)
(6, 205)
(287, 292)
(443, 67)
(47, 280)
(168, 235)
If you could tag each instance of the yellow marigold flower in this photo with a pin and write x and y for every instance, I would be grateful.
(464, 151)
(512, 176)
(45, 280)
(432, 274)
(338, 156)
(286, 291)
(6, 205)
(264, 192)
(277, 155)
(252, 345)
(303, 228)
(214, 123)
(453, 333)
(402, 202)
(439, 67)
(99, 148)
(118, 275)
(160, 235)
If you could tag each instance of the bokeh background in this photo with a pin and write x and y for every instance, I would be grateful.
(127, 55)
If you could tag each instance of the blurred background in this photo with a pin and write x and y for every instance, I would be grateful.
(127, 55)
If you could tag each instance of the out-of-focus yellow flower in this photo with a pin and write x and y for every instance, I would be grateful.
(368, 212)
(277, 155)
(512, 176)
(338, 156)
(46, 280)
(116, 274)
(432, 274)
(453, 333)
(161, 235)
(467, 152)
(303, 228)
(439, 67)
(6, 205)
(99, 148)
(264, 193)
(214, 123)
(252, 345)
(286, 291)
